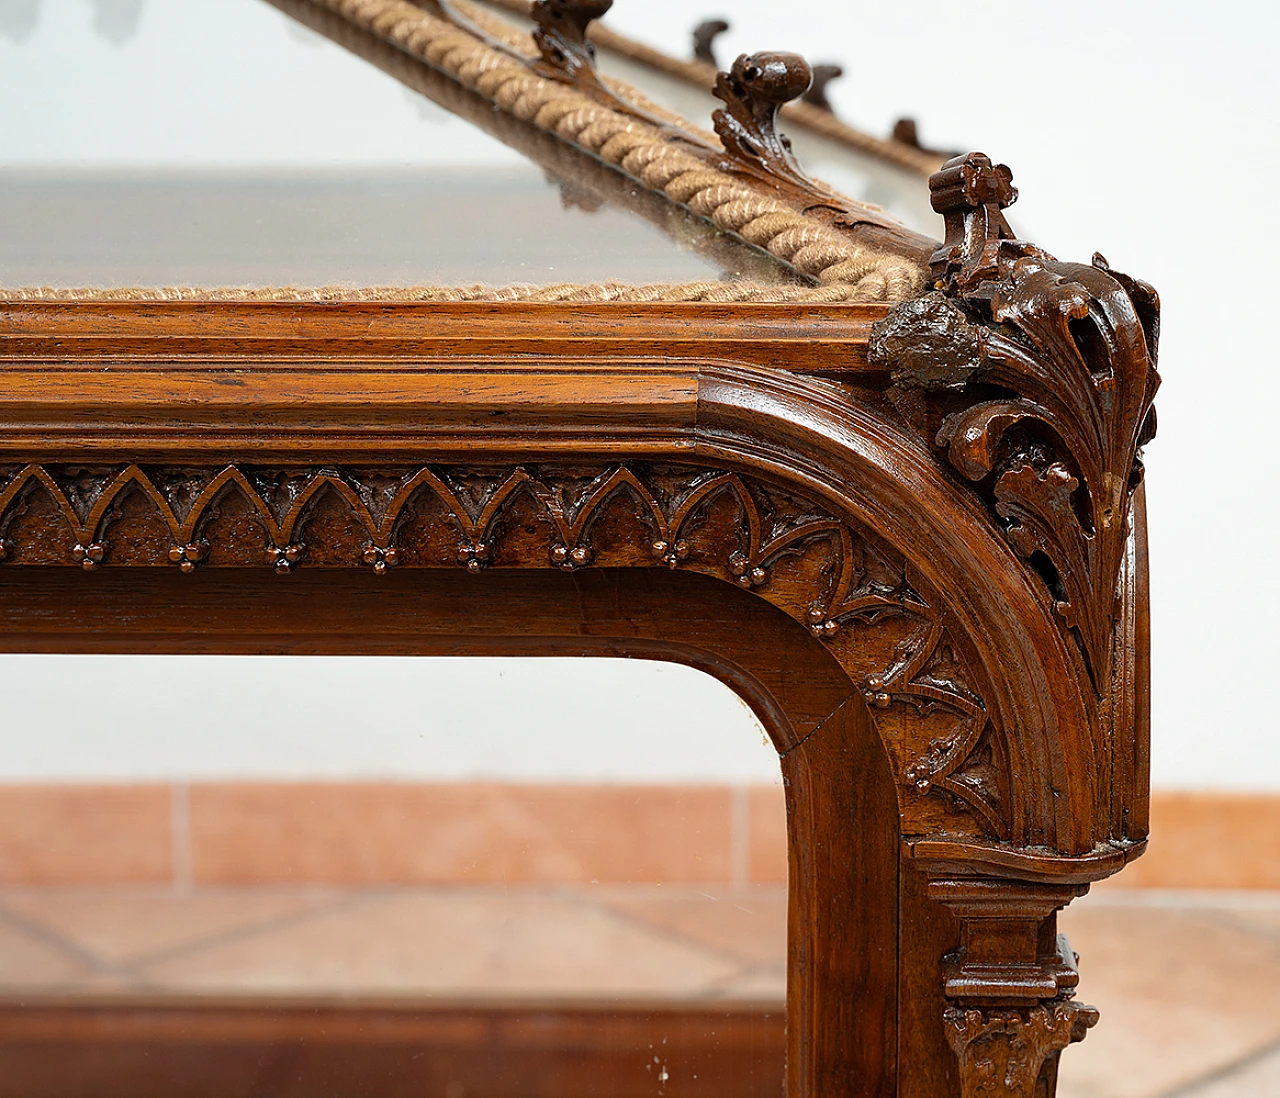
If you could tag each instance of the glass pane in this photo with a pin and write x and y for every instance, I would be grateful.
(196, 144)
(348, 864)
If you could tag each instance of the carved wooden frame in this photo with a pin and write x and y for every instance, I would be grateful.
(941, 504)
(557, 456)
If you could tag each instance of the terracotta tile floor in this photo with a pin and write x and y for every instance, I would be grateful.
(1188, 984)
(1189, 989)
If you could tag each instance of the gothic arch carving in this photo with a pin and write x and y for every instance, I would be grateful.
(835, 579)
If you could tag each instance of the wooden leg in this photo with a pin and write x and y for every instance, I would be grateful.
(1009, 987)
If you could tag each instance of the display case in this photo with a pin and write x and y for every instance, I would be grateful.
(662, 394)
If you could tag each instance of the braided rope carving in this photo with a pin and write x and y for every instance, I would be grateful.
(585, 293)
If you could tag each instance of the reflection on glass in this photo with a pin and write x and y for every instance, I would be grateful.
(187, 144)
(355, 866)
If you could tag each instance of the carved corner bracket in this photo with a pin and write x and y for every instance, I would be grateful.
(1045, 372)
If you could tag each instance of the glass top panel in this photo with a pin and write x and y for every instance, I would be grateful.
(202, 144)
(851, 172)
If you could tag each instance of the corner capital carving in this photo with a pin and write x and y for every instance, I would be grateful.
(1005, 1053)
(1055, 364)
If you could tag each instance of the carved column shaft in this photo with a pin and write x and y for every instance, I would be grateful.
(1009, 987)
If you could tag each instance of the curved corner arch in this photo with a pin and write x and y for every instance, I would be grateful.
(809, 435)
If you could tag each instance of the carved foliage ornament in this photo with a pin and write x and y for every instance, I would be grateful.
(753, 91)
(1003, 1053)
(561, 35)
(1054, 365)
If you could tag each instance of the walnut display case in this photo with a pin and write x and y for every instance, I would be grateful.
(886, 488)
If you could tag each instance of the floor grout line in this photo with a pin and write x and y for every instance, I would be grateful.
(327, 906)
(1223, 1074)
(51, 937)
(672, 935)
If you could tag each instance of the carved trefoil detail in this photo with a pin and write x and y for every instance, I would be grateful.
(927, 676)
(861, 583)
(1047, 372)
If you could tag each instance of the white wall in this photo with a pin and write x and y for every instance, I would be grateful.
(1143, 130)
(114, 718)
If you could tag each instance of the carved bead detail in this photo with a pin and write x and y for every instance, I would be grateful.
(672, 553)
(187, 557)
(286, 558)
(748, 576)
(873, 689)
(821, 626)
(474, 558)
(6, 551)
(380, 558)
(571, 559)
(90, 557)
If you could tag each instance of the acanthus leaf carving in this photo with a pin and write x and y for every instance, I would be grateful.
(1059, 360)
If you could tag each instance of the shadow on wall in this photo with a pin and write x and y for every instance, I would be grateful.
(115, 20)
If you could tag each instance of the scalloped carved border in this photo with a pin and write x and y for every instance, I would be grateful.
(911, 674)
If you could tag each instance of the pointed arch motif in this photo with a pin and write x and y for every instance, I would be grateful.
(854, 581)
